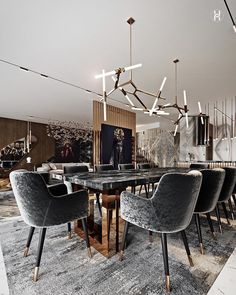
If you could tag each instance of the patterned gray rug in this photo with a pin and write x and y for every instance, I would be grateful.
(66, 269)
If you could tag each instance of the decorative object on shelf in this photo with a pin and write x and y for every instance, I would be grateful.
(230, 14)
(115, 74)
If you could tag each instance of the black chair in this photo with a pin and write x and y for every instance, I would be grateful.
(78, 169)
(199, 166)
(226, 193)
(144, 166)
(103, 167)
(39, 207)
(127, 167)
(170, 210)
(212, 182)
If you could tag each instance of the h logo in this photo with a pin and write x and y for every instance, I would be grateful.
(217, 15)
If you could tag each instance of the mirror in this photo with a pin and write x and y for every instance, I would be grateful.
(13, 153)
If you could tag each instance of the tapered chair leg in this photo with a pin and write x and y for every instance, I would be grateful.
(199, 232)
(109, 221)
(231, 209)
(211, 225)
(165, 259)
(125, 233)
(69, 230)
(234, 198)
(85, 229)
(218, 218)
(31, 232)
(146, 190)
(140, 189)
(150, 236)
(39, 254)
(184, 237)
(226, 213)
(98, 202)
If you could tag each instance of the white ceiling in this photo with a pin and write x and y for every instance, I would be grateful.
(74, 40)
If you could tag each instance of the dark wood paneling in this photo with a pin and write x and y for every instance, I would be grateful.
(12, 130)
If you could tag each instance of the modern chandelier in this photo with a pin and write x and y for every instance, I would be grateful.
(115, 75)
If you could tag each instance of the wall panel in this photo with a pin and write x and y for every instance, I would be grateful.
(116, 117)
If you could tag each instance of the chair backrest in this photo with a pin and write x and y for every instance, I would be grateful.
(103, 167)
(175, 199)
(76, 169)
(229, 184)
(199, 165)
(126, 166)
(144, 166)
(212, 182)
(32, 196)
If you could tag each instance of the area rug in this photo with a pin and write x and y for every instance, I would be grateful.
(66, 269)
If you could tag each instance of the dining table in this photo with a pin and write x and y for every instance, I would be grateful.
(105, 231)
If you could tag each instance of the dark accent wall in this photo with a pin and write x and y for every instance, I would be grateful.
(12, 130)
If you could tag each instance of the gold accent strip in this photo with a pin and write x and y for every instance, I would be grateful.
(26, 252)
(201, 248)
(36, 274)
(190, 260)
(168, 283)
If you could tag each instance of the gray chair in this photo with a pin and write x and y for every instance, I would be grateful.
(41, 208)
(170, 210)
(226, 193)
(103, 167)
(144, 166)
(126, 166)
(77, 169)
(212, 182)
(199, 166)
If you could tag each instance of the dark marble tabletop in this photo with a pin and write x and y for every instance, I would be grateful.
(109, 180)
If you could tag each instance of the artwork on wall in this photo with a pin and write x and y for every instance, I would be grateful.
(116, 145)
(73, 141)
(158, 147)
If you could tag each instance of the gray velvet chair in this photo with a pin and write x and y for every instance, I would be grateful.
(40, 207)
(76, 169)
(212, 182)
(199, 166)
(103, 167)
(145, 166)
(169, 210)
(226, 193)
(126, 166)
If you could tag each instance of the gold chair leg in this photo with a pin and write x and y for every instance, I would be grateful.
(90, 255)
(168, 289)
(36, 274)
(190, 260)
(26, 251)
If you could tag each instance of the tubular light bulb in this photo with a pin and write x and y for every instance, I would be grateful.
(186, 118)
(185, 98)
(114, 71)
(199, 106)
(163, 83)
(137, 109)
(176, 128)
(133, 67)
(234, 27)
